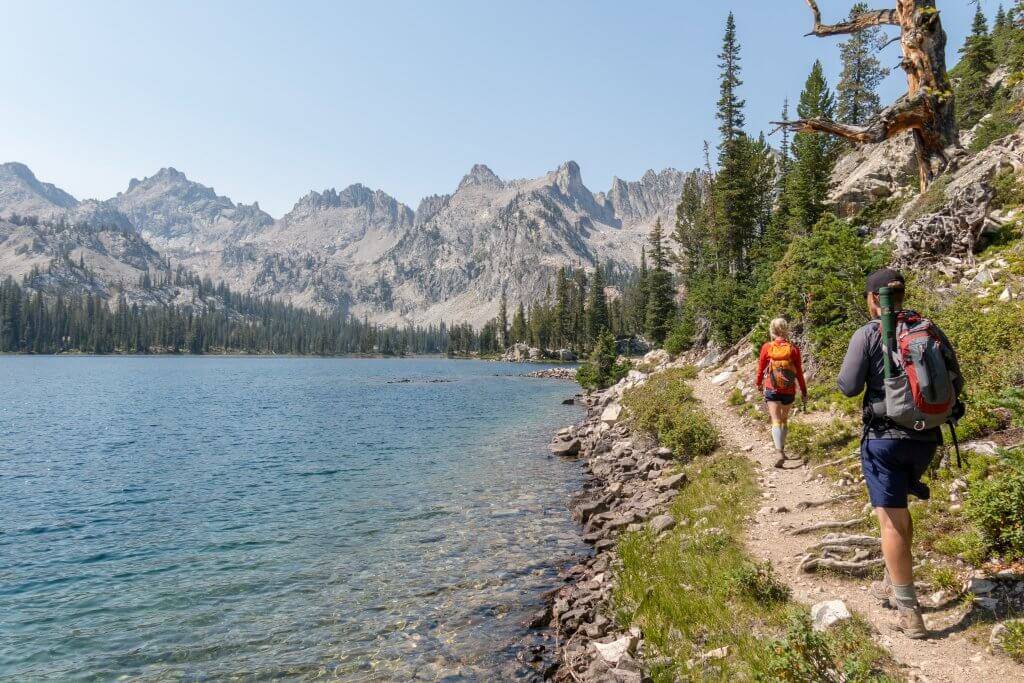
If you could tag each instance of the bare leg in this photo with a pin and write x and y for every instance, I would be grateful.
(897, 535)
(776, 412)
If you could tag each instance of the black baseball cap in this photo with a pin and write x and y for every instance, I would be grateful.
(885, 277)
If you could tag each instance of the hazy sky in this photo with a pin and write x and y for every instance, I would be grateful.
(267, 100)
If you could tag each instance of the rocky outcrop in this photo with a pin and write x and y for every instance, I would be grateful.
(524, 353)
(964, 220)
(872, 172)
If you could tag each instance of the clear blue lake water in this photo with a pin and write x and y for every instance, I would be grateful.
(205, 518)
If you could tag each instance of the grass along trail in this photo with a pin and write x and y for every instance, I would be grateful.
(949, 655)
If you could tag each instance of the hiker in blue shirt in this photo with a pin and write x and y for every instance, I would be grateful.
(893, 455)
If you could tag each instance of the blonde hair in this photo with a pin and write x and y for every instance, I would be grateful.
(779, 328)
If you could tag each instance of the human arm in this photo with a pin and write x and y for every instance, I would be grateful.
(854, 372)
(762, 363)
(799, 367)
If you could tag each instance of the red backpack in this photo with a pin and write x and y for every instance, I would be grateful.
(923, 395)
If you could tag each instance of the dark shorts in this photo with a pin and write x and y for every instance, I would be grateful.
(784, 399)
(891, 466)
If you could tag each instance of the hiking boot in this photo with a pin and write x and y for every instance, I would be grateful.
(920, 489)
(911, 622)
(882, 591)
(781, 462)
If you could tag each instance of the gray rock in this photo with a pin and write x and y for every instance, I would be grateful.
(825, 614)
(662, 523)
(566, 448)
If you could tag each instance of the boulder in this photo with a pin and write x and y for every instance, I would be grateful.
(825, 614)
(657, 357)
(721, 378)
(565, 448)
(617, 650)
(980, 586)
(662, 523)
(517, 353)
(565, 355)
(611, 413)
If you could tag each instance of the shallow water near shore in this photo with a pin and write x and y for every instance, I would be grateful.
(206, 518)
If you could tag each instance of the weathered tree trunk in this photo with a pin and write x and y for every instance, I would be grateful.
(927, 108)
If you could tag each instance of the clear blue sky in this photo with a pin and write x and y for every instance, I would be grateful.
(267, 100)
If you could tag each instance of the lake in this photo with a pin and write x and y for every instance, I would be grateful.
(199, 518)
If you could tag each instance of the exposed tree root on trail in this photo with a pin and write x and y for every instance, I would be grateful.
(805, 504)
(827, 526)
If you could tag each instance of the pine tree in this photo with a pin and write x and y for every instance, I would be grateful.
(857, 89)
(520, 331)
(503, 320)
(660, 302)
(730, 106)
(785, 147)
(813, 156)
(562, 327)
(972, 92)
(598, 320)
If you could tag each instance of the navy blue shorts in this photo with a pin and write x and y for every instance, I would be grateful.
(784, 399)
(891, 466)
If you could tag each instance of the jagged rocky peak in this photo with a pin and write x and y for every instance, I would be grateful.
(171, 182)
(637, 200)
(429, 206)
(181, 213)
(357, 203)
(21, 191)
(480, 176)
(568, 179)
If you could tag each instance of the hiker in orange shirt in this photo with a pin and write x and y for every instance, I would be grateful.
(779, 372)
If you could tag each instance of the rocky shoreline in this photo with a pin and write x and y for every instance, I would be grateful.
(632, 481)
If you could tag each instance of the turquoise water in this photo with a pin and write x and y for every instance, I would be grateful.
(205, 518)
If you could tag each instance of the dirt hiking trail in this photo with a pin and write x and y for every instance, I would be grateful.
(948, 656)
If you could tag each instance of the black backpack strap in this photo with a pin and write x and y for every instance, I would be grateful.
(956, 443)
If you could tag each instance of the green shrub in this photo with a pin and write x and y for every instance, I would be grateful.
(664, 407)
(1013, 640)
(874, 213)
(736, 397)
(818, 286)
(967, 545)
(602, 369)
(680, 337)
(678, 340)
(758, 581)
(1001, 123)
(1008, 190)
(996, 505)
(931, 200)
(815, 442)
(806, 655)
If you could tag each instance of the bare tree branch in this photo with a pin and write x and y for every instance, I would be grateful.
(866, 19)
(905, 114)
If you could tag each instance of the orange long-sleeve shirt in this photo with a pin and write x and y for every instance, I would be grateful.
(764, 378)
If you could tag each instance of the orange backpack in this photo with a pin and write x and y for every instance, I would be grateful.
(781, 368)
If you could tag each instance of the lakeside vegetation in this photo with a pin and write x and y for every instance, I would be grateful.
(710, 612)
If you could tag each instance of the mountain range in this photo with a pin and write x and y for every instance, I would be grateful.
(357, 250)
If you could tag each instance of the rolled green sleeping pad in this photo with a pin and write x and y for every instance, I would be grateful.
(888, 328)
